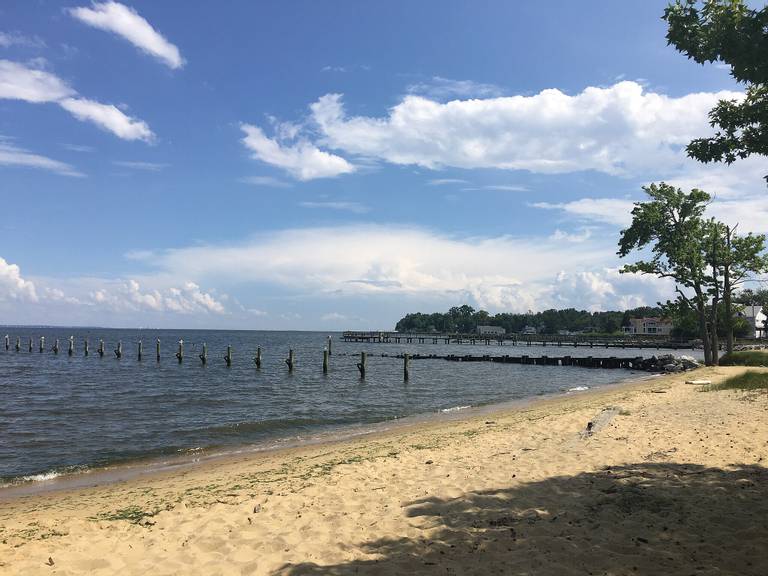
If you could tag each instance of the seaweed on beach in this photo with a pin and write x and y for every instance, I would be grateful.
(133, 514)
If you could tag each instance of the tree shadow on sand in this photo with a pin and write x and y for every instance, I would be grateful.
(647, 518)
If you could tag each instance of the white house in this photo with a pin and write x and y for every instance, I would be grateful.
(656, 326)
(756, 318)
(491, 330)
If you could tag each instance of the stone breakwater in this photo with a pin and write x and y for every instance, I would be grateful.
(668, 363)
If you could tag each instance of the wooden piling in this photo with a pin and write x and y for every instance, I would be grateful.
(228, 357)
(85, 347)
(406, 371)
(119, 350)
(204, 354)
(290, 360)
(141, 350)
(101, 348)
(30, 343)
(361, 364)
(325, 359)
(18, 343)
(330, 350)
(71, 349)
(56, 346)
(180, 353)
(257, 358)
(42, 343)
(7, 342)
(157, 349)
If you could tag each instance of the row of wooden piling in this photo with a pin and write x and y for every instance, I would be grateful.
(630, 363)
(257, 359)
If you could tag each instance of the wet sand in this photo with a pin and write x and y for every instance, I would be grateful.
(670, 480)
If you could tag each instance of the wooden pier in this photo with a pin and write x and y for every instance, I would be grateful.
(557, 340)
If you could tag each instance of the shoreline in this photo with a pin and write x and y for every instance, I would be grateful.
(136, 468)
(669, 478)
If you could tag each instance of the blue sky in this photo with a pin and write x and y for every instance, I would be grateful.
(324, 165)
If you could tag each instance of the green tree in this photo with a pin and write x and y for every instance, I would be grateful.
(671, 225)
(741, 258)
(730, 32)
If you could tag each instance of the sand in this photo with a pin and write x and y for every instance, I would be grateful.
(671, 480)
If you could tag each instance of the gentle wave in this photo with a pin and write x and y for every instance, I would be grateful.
(455, 409)
(578, 388)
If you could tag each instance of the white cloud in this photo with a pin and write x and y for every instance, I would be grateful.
(13, 286)
(738, 197)
(108, 117)
(582, 236)
(724, 181)
(78, 147)
(355, 207)
(620, 130)
(606, 210)
(607, 289)
(126, 22)
(11, 155)
(500, 273)
(442, 88)
(499, 187)
(302, 160)
(139, 165)
(8, 39)
(20, 82)
(130, 296)
(446, 181)
(333, 317)
(267, 181)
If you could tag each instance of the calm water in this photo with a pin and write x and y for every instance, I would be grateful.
(61, 413)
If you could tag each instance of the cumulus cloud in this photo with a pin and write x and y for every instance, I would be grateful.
(127, 23)
(621, 130)
(13, 286)
(302, 160)
(22, 82)
(129, 295)
(607, 289)
(500, 273)
(11, 155)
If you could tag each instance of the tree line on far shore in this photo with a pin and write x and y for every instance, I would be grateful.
(465, 320)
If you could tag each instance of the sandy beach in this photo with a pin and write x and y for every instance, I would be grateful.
(671, 480)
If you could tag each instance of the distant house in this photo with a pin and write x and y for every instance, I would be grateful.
(491, 330)
(529, 330)
(648, 326)
(756, 318)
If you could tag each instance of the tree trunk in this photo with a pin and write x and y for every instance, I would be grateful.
(715, 295)
(713, 333)
(701, 309)
(727, 289)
